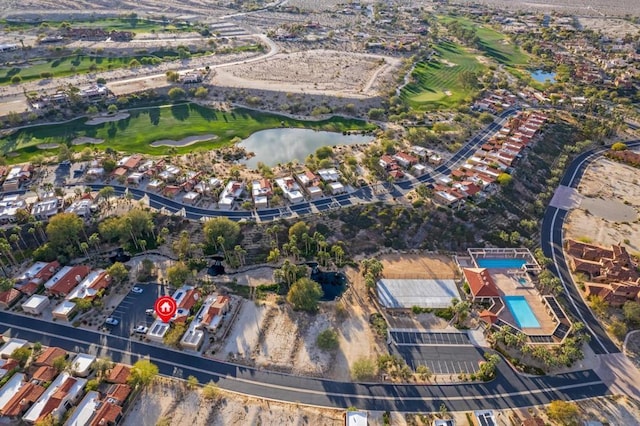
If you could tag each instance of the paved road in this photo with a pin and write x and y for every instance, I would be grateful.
(552, 238)
(509, 390)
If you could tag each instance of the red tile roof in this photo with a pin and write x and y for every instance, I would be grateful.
(49, 354)
(480, 282)
(133, 161)
(22, 400)
(107, 414)
(70, 280)
(9, 296)
(189, 299)
(119, 374)
(119, 392)
(45, 373)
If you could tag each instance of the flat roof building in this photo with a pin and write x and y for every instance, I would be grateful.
(36, 304)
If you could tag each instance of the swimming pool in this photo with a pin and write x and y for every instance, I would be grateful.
(523, 281)
(521, 311)
(500, 263)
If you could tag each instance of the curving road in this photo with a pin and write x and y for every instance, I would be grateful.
(551, 236)
(509, 390)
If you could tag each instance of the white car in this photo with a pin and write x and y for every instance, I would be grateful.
(150, 312)
(136, 290)
(111, 321)
(141, 329)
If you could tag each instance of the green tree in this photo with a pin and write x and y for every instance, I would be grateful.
(172, 76)
(619, 146)
(178, 274)
(563, 412)
(211, 392)
(21, 355)
(118, 273)
(192, 382)
(64, 231)
(16, 79)
(221, 227)
(201, 92)
(504, 179)
(142, 373)
(631, 312)
(173, 336)
(298, 229)
(112, 109)
(328, 340)
(176, 93)
(599, 306)
(618, 329)
(60, 363)
(304, 295)
(363, 369)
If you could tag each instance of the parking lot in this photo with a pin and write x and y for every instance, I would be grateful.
(442, 352)
(419, 338)
(130, 313)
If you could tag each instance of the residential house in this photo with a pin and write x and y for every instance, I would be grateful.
(213, 309)
(63, 282)
(17, 176)
(85, 410)
(157, 331)
(356, 418)
(91, 285)
(329, 175)
(83, 208)
(49, 355)
(43, 374)
(600, 264)
(7, 365)
(63, 392)
(11, 345)
(405, 160)
(36, 304)
(17, 395)
(186, 297)
(119, 374)
(615, 293)
(230, 194)
(9, 207)
(336, 188)
(131, 162)
(9, 298)
(311, 184)
(290, 189)
(46, 208)
(261, 191)
(82, 364)
(117, 393)
(387, 162)
(37, 274)
(191, 197)
(65, 310)
(135, 178)
(108, 414)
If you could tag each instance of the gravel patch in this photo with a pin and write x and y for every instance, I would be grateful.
(86, 140)
(106, 119)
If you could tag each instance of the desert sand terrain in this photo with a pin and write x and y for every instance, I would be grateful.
(608, 212)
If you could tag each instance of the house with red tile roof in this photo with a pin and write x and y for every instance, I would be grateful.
(481, 284)
(108, 414)
(89, 287)
(40, 272)
(186, 297)
(405, 160)
(615, 294)
(44, 374)
(9, 298)
(47, 357)
(63, 392)
(118, 392)
(66, 280)
(21, 395)
(118, 374)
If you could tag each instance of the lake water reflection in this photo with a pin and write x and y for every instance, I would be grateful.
(275, 146)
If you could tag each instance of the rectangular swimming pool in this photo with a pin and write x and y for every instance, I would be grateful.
(494, 263)
(521, 311)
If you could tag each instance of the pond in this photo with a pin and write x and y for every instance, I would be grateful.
(542, 76)
(281, 146)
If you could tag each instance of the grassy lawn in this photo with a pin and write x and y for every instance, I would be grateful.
(144, 126)
(493, 44)
(136, 25)
(437, 82)
(79, 64)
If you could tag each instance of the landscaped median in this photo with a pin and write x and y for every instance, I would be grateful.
(137, 132)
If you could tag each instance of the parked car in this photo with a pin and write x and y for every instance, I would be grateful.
(141, 329)
(111, 321)
(136, 290)
(150, 312)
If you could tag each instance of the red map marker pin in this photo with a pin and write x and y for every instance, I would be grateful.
(165, 308)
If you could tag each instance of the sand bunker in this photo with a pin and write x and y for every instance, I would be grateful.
(107, 118)
(184, 141)
(48, 145)
(84, 140)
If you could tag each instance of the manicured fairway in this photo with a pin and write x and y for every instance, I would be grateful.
(493, 44)
(437, 84)
(144, 126)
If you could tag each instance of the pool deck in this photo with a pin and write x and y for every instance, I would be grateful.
(509, 286)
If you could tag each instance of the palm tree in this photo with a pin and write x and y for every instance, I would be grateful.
(94, 240)
(240, 254)
(5, 248)
(14, 239)
(143, 245)
(85, 248)
(17, 229)
(32, 232)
